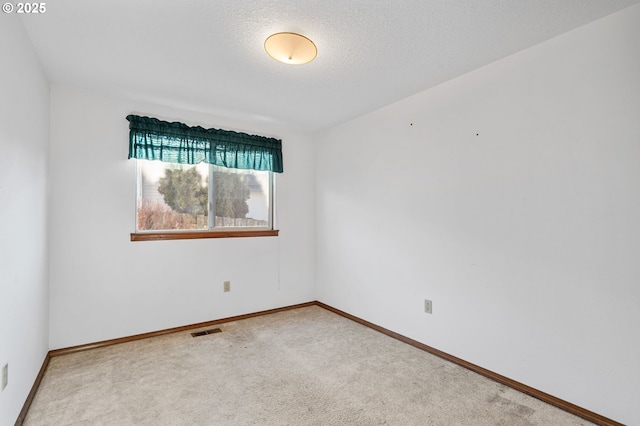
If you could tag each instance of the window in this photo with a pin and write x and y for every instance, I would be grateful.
(184, 197)
(202, 183)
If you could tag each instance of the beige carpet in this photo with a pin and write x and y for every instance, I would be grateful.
(306, 366)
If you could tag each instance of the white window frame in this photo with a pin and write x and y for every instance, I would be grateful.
(212, 231)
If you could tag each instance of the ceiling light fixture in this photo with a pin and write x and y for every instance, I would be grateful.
(290, 48)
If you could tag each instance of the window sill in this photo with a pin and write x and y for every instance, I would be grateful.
(192, 235)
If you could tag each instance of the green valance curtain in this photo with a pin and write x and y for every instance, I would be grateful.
(153, 139)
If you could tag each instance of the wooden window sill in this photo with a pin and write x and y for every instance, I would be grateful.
(192, 235)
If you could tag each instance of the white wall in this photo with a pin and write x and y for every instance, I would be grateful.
(24, 134)
(104, 286)
(513, 202)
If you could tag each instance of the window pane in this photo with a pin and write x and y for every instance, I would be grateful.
(179, 197)
(172, 196)
(242, 197)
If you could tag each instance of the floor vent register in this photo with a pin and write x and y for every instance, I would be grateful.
(205, 332)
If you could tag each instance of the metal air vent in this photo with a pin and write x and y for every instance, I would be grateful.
(205, 332)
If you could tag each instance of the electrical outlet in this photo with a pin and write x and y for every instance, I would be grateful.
(227, 286)
(428, 308)
(5, 376)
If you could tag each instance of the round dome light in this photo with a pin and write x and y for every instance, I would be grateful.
(290, 48)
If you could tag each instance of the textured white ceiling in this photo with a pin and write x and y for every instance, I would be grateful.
(208, 54)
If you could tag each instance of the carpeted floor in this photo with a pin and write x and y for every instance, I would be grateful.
(305, 366)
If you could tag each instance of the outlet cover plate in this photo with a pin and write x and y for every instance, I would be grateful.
(428, 306)
(5, 376)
